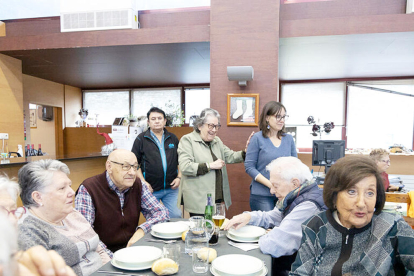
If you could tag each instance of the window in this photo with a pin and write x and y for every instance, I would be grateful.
(379, 119)
(107, 104)
(324, 101)
(196, 99)
(144, 99)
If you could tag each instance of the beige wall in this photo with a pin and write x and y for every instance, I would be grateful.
(44, 134)
(11, 101)
(42, 92)
(73, 103)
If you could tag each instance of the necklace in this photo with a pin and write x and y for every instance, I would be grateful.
(60, 223)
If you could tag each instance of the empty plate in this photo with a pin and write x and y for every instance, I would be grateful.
(247, 233)
(260, 273)
(231, 237)
(169, 229)
(136, 257)
(237, 264)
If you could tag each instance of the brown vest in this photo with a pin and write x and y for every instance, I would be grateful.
(114, 226)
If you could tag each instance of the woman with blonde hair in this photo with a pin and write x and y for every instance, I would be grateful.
(382, 159)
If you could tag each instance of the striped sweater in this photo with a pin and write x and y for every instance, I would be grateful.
(383, 247)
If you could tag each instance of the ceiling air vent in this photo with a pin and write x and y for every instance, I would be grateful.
(99, 20)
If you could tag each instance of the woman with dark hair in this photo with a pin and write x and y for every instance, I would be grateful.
(266, 145)
(202, 157)
(354, 236)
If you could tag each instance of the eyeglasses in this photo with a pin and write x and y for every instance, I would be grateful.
(212, 126)
(386, 161)
(280, 117)
(18, 213)
(126, 166)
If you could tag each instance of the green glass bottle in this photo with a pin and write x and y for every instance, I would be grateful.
(209, 211)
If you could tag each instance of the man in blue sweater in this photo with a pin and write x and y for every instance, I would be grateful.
(299, 198)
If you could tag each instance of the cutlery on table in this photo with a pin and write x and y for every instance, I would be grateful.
(154, 240)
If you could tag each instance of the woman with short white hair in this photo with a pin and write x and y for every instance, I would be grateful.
(52, 222)
(34, 261)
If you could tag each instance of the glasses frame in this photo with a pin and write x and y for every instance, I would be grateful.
(126, 167)
(284, 118)
(20, 212)
(212, 126)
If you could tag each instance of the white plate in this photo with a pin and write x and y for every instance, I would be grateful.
(237, 264)
(169, 229)
(215, 273)
(239, 240)
(137, 257)
(247, 232)
(115, 264)
(165, 238)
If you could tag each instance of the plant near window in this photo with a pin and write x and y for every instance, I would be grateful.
(173, 114)
(132, 119)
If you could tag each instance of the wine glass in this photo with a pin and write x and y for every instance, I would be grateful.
(219, 215)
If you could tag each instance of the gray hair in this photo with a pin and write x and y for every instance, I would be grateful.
(290, 167)
(200, 120)
(8, 241)
(35, 176)
(10, 186)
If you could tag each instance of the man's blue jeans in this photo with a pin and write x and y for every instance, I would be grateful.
(262, 203)
(169, 198)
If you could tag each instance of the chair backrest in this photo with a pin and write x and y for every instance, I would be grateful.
(401, 198)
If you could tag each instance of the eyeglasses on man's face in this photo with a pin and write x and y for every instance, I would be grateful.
(212, 126)
(280, 117)
(386, 161)
(18, 213)
(126, 166)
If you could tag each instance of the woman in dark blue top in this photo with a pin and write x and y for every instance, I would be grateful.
(266, 145)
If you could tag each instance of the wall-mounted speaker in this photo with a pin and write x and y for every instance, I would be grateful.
(242, 74)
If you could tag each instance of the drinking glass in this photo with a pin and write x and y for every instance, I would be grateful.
(219, 215)
(200, 261)
(214, 236)
(172, 251)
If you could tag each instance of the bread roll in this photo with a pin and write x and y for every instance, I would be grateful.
(202, 254)
(164, 266)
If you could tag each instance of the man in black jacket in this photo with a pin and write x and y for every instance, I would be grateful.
(156, 152)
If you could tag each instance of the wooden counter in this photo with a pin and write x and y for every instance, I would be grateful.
(81, 167)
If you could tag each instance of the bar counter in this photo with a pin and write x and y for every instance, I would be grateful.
(81, 166)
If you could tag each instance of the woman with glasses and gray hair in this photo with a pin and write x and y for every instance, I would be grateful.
(51, 220)
(382, 159)
(269, 143)
(202, 157)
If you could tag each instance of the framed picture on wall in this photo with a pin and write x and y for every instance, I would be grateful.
(242, 109)
(33, 118)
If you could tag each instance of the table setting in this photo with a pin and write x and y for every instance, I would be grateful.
(181, 247)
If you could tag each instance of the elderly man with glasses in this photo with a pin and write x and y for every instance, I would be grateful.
(112, 202)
